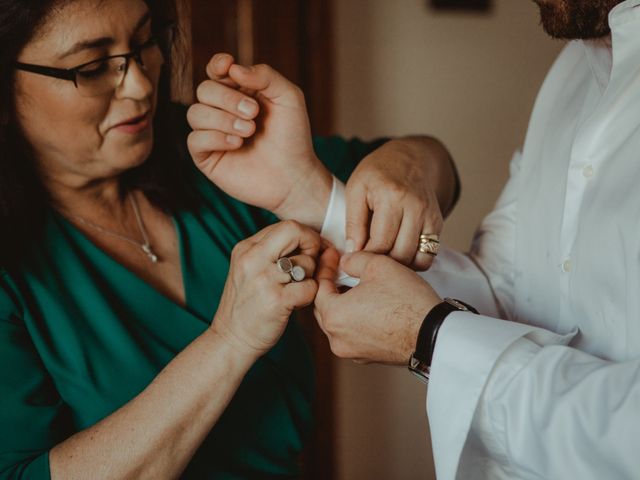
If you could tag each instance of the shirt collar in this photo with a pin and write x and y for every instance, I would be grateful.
(620, 50)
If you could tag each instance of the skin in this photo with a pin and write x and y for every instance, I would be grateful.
(397, 192)
(80, 156)
(383, 328)
(81, 152)
(379, 320)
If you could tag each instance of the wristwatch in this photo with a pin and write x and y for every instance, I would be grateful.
(420, 361)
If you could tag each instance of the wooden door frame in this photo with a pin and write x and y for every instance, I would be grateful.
(261, 31)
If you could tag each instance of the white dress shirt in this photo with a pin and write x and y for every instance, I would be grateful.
(553, 390)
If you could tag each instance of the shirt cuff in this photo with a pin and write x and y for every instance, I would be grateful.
(334, 227)
(466, 352)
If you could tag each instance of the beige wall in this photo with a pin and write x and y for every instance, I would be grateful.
(469, 80)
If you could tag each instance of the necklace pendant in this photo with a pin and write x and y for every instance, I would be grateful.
(149, 253)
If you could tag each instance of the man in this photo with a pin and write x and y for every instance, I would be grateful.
(545, 381)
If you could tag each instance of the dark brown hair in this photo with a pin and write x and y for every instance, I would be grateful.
(24, 202)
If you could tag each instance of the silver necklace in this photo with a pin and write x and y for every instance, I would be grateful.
(145, 247)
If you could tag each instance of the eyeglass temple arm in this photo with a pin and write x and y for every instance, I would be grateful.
(48, 71)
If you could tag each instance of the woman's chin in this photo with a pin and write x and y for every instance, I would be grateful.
(132, 156)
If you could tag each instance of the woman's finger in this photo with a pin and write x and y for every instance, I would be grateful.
(385, 224)
(307, 263)
(215, 94)
(300, 294)
(288, 236)
(204, 117)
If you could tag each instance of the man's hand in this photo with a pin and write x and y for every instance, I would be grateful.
(404, 187)
(251, 137)
(379, 320)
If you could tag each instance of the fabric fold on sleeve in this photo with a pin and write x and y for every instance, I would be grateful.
(467, 350)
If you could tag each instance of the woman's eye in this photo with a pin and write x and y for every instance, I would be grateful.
(94, 70)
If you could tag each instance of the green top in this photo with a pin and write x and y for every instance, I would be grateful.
(81, 335)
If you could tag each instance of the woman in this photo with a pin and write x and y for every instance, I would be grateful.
(143, 319)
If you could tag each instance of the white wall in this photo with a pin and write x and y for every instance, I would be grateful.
(470, 80)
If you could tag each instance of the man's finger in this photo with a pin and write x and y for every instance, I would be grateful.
(218, 67)
(355, 264)
(268, 82)
(385, 224)
(207, 147)
(408, 239)
(328, 265)
(357, 216)
(204, 117)
(423, 261)
(214, 94)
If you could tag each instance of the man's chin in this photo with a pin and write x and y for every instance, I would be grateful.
(576, 19)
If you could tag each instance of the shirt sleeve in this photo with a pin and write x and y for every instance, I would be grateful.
(468, 357)
(547, 411)
(514, 401)
(31, 413)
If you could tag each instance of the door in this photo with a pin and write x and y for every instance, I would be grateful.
(293, 36)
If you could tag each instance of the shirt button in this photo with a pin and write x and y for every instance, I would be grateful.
(587, 171)
(566, 266)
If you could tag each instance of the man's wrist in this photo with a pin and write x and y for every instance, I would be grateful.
(420, 360)
(308, 201)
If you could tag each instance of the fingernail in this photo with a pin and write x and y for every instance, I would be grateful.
(243, 68)
(233, 140)
(349, 246)
(247, 106)
(242, 125)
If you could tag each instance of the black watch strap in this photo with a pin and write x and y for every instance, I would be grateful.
(420, 361)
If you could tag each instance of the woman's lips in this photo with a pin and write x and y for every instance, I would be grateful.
(135, 125)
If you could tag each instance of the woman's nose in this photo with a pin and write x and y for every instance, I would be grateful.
(136, 84)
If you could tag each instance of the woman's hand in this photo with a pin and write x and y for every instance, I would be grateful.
(251, 137)
(396, 193)
(258, 297)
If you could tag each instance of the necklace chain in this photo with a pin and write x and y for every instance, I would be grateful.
(145, 246)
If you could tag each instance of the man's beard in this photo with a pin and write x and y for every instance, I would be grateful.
(572, 19)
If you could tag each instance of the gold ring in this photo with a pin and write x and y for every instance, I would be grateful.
(429, 244)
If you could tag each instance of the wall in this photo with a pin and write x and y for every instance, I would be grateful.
(470, 80)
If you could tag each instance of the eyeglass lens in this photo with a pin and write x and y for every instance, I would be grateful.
(103, 76)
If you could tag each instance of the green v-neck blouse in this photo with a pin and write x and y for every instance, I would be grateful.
(81, 335)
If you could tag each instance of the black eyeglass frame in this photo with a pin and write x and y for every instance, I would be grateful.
(71, 73)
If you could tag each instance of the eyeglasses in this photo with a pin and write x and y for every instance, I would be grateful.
(106, 74)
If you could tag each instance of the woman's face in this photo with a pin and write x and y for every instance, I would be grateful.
(80, 139)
